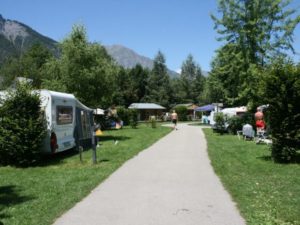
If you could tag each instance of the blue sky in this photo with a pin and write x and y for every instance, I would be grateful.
(176, 28)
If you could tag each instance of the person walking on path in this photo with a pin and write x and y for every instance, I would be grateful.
(174, 118)
(170, 183)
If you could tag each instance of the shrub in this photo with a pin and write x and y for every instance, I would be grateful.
(282, 92)
(248, 118)
(182, 112)
(22, 128)
(152, 121)
(123, 114)
(133, 118)
(220, 122)
(235, 123)
(282, 152)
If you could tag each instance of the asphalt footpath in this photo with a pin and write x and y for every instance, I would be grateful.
(170, 183)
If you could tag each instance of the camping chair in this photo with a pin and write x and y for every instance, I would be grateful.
(248, 132)
(262, 137)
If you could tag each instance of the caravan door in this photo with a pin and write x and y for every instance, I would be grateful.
(63, 118)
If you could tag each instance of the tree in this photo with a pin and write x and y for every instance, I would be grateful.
(28, 65)
(177, 95)
(9, 71)
(282, 92)
(53, 77)
(139, 76)
(159, 89)
(227, 75)
(213, 90)
(254, 32)
(191, 81)
(22, 128)
(32, 63)
(84, 69)
(125, 91)
(259, 28)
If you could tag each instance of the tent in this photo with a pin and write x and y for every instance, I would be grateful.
(205, 108)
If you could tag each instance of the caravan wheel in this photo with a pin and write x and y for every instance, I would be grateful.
(53, 142)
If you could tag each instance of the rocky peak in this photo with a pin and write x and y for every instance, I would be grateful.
(12, 29)
(2, 21)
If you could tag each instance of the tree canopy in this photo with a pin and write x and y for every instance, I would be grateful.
(159, 88)
(84, 69)
(254, 32)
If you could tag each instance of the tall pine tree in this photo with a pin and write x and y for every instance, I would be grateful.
(159, 89)
(191, 81)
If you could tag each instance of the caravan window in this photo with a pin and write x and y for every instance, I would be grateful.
(64, 115)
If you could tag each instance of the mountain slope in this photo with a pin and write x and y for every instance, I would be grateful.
(16, 38)
(129, 59)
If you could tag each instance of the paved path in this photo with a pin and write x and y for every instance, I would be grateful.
(170, 183)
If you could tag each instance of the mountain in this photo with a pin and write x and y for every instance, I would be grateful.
(128, 58)
(16, 37)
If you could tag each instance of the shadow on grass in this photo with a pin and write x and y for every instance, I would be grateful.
(267, 158)
(10, 196)
(200, 124)
(57, 158)
(112, 138)
(103, 160)
(295, 160)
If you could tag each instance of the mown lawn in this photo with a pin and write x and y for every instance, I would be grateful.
(38, 195)
(266, 193)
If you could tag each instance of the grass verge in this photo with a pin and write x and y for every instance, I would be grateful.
(266, 193)
(38, 195)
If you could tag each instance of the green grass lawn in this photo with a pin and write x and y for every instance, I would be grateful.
(266, 193)
(38, 195)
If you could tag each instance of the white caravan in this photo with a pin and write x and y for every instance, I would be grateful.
(69, 122)
(228, 112)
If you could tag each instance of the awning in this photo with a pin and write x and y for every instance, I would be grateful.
(205, 108)
(98, 111)
(145, 106)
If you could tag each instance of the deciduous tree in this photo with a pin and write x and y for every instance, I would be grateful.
(254, 31)
(84, 69)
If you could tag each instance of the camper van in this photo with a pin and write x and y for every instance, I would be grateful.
(69, 122)
(228, 112)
